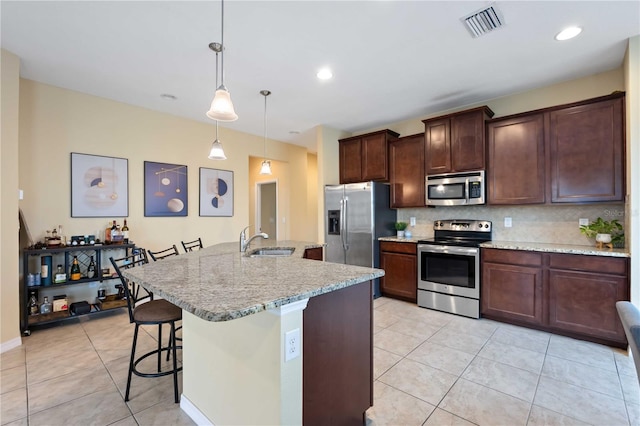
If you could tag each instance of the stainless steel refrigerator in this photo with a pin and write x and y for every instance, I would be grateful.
(356, 215)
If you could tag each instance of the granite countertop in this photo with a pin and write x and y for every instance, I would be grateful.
(527, 246)
(218, 283)
(556, 248)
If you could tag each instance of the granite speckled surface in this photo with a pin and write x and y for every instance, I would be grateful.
(218, 283)
(544, 247)
(556, 248)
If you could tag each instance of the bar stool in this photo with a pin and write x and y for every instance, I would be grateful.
(144, 310)
(171, 251)
(191, 245)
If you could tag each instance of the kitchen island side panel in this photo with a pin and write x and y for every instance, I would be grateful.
(338, 356)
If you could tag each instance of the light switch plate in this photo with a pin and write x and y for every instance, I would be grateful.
(507, 222)
(583, 222)
(412, 221)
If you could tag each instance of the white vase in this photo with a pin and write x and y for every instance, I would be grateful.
(400, 234)
(603, 238)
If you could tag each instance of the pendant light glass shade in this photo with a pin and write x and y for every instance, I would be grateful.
(222, 107)
(217, 153)
(266, 168)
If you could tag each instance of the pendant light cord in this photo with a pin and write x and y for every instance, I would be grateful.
(222, 50)
(265, 126)
(216, 86)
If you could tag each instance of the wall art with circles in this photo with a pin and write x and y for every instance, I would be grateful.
(99, 186)
(165, 189)
(216, 192)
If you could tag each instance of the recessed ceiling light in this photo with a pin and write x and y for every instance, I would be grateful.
(294, 132)
(168, 97)
(568, 33)
(324, 74)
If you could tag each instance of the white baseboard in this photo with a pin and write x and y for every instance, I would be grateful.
(193, 412)
(11, 344)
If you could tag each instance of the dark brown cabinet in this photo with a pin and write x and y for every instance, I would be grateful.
(583, 292)
(573, 295)
(406, 170)
(565, 154)
(516, 160)
(512, 286)
(455, 142)
(365, 157)
(313, 253)
(399, 261)
(586, 146)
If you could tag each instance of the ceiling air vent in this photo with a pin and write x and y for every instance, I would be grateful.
(483, 21)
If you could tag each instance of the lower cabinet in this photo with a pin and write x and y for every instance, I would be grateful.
(400, 264)
(573, 295)
(313, 253)
(512, 286)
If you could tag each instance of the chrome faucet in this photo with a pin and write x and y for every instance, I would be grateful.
(244, 243)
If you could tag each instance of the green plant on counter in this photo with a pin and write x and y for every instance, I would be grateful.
(601, 226)
(401, 226)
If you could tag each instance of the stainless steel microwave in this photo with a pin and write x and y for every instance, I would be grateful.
(455, 189)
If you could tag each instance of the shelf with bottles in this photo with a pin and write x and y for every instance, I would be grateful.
(63, 263)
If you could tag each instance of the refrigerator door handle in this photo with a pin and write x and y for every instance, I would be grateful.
(343, 224)
(346, 223)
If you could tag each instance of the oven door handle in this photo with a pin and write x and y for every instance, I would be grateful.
(448, 249)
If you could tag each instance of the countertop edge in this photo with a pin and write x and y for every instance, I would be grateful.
(556, 248)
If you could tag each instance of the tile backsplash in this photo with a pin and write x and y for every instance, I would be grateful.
(540, 224)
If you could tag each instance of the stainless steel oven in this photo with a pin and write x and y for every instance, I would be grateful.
(449, 267)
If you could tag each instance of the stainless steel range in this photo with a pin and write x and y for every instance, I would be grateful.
(449, 266)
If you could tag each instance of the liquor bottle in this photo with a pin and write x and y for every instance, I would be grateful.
(34, 309)
(60, 275)
(115, 236)
(107, 233)
(75, 270)
(91, 270)
(46, 306)
(125, 232)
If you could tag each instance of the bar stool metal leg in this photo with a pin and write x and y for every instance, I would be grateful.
(175, 361)
(131, 362)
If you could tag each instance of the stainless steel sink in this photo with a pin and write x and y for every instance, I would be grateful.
(273, 252)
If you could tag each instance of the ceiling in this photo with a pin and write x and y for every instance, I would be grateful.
(391, 60)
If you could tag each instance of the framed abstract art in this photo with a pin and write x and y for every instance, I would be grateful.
(165, 189)
(99, 186)
(216, 192)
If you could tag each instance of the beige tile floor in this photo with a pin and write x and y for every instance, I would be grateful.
(430, 368)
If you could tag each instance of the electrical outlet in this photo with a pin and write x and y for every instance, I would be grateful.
(583, 222)
(507, 222)
(412, 221)
(292, 345)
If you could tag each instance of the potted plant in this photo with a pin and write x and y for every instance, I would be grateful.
(605, 232)
(400, 227)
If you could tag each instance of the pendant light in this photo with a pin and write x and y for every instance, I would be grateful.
(266, 164)
(221, 106)
(217, 152)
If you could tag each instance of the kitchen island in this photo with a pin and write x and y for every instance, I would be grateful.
(241, 315)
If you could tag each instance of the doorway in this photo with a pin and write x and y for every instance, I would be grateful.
(267, 208)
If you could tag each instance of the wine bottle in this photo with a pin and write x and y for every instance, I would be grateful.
(34, 309)
(91, 270)
(125, 232)
(75, 270)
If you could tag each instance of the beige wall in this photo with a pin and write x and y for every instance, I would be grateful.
(55, 122)
(9, 294)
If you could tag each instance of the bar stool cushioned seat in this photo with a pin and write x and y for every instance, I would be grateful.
(144, 310)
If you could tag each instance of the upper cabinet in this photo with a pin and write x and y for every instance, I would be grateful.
(406, 169)
(516, 164)
(566, 154)
(455, 142)
(364, 157)
(586, 146)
